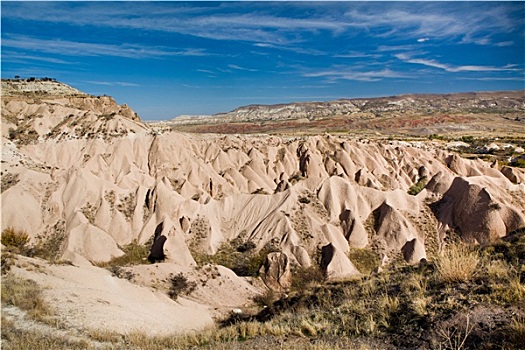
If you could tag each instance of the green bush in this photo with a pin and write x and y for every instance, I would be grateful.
(519, 163)
(134, 254)
(418, 186)
(238, 257)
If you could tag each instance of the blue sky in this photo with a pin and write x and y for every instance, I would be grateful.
(171, 58)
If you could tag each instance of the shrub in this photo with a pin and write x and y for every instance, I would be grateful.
(304, 200)
(238, 257)
(179, 285)
(9, 180)
(134, 254)
(50, 247)
(457, 264)
(15, 239)
(520, 163)
(418, 186)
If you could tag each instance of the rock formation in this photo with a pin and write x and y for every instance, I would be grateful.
(94, 178)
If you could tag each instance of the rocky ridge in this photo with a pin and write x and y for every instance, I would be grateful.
(472, 113)
(506, 102)
(46, 109)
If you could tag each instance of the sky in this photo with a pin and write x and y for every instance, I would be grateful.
(170, 58)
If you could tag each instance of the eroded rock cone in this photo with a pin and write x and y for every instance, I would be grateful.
(335, 264)
(414, 251)
(276, 273)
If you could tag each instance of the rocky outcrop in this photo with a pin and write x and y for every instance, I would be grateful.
(40, 109)
(480, 214)
(276, 273)
(515, 175)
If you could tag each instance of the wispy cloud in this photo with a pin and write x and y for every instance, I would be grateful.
(504, 43)
(348, 74)
(113, 83)
(469, 22)
(422, 40)
(356, 55)
(495, 79)
(236, 67)
(295, 49)
(74, 48)
(10, 56)
(454, 69)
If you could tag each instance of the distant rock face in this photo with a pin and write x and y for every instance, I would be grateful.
(452, 103)
(38, 88)
(36, 110)
(300, 195)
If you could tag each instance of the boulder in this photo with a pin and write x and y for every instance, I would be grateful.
(276, 273)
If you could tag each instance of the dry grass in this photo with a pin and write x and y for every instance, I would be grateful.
(26, 295)
(14, 338)
(516, 332)
(389, 310)
(454, 338)
(458, 263)
(365, 260)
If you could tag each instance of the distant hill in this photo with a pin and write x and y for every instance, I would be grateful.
(416, 113)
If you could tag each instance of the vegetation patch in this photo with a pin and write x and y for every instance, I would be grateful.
(9, 180)
(16, 241)
(180, 285)
(26, 295)
(237, 255)
(365, 260)
(127, 206)
(418, 186)
(134, 254)
(457, 264)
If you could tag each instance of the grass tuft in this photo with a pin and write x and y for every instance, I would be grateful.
(457, 264)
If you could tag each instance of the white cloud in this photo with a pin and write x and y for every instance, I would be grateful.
(504, 43)
(356, 54)
(422, 40)
(451, 68)
(74, 48)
